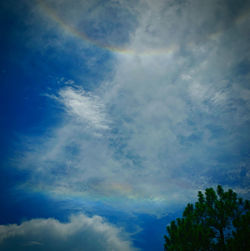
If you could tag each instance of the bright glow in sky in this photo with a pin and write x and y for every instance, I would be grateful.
(115, 113)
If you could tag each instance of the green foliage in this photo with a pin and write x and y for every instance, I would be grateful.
(219, 220)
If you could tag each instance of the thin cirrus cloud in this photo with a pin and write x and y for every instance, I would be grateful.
(80, 233)
(171, 119)
(85, 107)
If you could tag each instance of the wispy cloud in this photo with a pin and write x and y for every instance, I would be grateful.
(84, 107)
(172, 119)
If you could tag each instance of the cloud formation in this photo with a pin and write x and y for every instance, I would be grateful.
(176, 110)
(80, 233)
(84, 107)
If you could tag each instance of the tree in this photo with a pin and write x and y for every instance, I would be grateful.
(219, 220)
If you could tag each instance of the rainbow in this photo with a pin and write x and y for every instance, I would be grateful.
(84, 37)
(123, 50)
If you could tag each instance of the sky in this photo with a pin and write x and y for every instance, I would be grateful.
(114, 114)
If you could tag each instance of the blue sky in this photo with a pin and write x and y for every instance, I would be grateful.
(114, 114)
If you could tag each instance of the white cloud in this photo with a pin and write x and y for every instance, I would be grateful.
(84, 107)
(80, 233)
